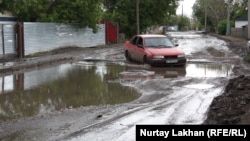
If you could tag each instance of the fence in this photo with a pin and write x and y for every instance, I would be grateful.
(20, 39)
(239, 32)
(8, 39)
(39, 37)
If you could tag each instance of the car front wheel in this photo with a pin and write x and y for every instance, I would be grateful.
(145, 59)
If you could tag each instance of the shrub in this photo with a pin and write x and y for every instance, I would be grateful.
(222, 27)
(247, 58)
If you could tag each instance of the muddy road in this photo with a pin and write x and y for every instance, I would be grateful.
(100, 96)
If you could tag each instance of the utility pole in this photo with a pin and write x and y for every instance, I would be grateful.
(205, 16)
(248, 20)
(228, 17)
(137, 16)
(182, 23)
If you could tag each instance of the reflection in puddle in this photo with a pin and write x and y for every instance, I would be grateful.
(191, 70)
(61, 87)
(137, 74)
(84, 84)
(208, 70)
(133, 72)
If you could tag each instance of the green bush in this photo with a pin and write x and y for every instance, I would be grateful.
(247, 58)
(222, 26)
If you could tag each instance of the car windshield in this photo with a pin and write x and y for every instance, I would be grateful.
(158, 43)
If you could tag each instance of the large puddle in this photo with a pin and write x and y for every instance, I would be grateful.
(62, 87)
(84, 84)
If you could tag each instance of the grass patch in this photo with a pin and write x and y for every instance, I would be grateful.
(214, 52)
(247, 58)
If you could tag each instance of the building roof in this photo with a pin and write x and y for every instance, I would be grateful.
(243, 18)
(8, 19)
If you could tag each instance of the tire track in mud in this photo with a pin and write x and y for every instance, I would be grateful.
(166, 110)
(170, 102)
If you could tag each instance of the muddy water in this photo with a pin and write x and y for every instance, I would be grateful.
(83, 84)
(61, 87)
(190, 70)
(209, 70)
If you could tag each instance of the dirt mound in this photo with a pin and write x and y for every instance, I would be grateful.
(233, 106)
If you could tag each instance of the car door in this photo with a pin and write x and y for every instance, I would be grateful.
(139, 50)
(132, 47)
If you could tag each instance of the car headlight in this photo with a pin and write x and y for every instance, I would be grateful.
(158, 57)
(181, 56)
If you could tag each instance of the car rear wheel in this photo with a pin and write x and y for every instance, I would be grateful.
(127, 56)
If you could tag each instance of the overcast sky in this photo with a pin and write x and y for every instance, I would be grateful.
(187, 7)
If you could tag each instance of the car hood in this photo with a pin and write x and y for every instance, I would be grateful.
(165, 51)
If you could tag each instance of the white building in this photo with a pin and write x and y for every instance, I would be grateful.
(241, 22)
(7, 17)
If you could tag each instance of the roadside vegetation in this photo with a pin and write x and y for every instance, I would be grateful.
(215, 13)
(247, 58)
(152, 13)
(85, 12)
(89, 13)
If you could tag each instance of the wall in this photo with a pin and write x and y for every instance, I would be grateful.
(39, 37)
(239, 24)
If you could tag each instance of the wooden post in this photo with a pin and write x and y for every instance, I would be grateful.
(3, 47)
(20, 40)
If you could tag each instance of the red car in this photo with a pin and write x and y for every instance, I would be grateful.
(154, 49)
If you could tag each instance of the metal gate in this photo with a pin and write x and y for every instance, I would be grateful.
(8, 42)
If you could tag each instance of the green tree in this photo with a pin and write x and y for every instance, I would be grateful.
(24, 10)
(152, 12)
(222, 26)
(85, 12)
(216, 10)
(239, 9)
(181, 21)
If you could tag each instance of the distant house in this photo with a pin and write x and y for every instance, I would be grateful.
(240, 29)
(241, 22)
(7, 17)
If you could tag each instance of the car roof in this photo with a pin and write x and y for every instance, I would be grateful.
(151, 35)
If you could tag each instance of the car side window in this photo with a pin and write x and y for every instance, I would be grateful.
(140, 41)
(134, 41)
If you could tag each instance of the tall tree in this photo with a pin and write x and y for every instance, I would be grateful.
(181, 21)
(152, 12)
(239, 9)
(84, 12)
(24, 10)
(216, 10)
